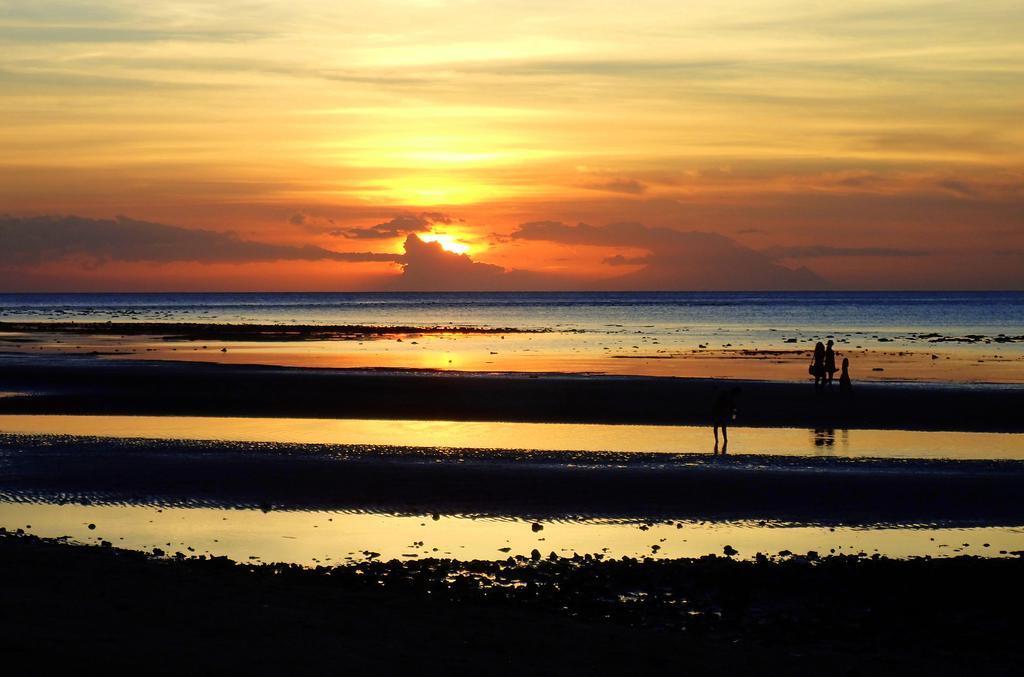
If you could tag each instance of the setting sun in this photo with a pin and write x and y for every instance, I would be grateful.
(448, 242)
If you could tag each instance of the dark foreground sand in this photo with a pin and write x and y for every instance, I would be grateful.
(551, 485)
(88, 385)
(99, 608)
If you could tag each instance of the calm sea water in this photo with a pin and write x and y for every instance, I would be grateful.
(949, 312)
(621, 321)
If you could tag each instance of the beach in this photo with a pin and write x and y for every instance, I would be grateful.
(495, 480)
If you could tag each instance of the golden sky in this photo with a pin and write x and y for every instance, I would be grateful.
(244, 144)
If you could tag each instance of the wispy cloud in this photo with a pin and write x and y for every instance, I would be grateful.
(112, 34)
(627, 186)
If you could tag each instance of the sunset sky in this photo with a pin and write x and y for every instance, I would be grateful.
(435, 144)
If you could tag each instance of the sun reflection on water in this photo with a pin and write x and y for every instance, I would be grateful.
(308, 537)
(538, 436)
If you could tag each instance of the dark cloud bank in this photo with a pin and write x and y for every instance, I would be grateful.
(673, 260)
(402, 224)
(676, 260)
(41, 239)
(426, 266)
(823, 251)
(670, 259)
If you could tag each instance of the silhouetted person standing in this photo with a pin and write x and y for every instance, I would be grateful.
(830, 362)
(818, 365)
(723, 410)
(845, 386)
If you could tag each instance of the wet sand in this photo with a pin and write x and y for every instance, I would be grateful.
(546, 485)
(88, 385)
(66, 606)
(632, 351)
(475, 354)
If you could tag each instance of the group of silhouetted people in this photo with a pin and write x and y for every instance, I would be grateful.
(823, 368)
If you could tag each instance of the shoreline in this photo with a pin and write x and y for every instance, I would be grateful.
(715, 615)
(88, 385)
(293, 331)
(547, 347)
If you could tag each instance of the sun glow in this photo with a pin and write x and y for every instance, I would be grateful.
(448, 242)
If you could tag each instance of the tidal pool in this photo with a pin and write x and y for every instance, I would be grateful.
(325, 537)
(539, 436)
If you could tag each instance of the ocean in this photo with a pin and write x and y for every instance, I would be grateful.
(753, 319)
(814, 311)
